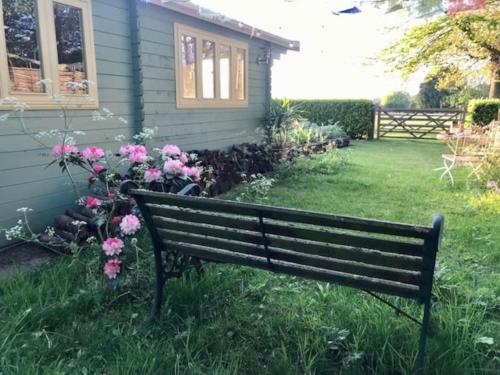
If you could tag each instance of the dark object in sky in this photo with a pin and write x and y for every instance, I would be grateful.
(352, 10)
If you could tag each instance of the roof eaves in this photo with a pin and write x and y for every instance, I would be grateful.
(197, 11)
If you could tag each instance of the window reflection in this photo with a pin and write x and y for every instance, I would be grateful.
(208, 69)
(225, 71)
(240, 73)
(70, 45)
(188, 61)
(23, 49)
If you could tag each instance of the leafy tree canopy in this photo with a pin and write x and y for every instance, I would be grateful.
(457, 45)
(398, 99)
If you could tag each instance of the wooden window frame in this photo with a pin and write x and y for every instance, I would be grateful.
(49, 59)
(199, 101)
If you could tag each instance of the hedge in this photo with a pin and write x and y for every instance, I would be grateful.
(482, 111)
(355, 116)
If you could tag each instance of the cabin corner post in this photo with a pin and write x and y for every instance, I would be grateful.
(431, 247)
(136, 58)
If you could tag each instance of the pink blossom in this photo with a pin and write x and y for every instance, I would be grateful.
(112, 246)
(135, 153)
(194, 173)
(130, 224)
(116, 219)
(152, 174)
(127, 149)
(183, 158)
(92, 153)
(138, 154)
(93, 202)
(112, 268)
(111, 196)
(170, 150)
(173, 166)
(97, 168)
(60, 149)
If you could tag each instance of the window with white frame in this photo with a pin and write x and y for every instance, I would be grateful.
(211, 70)
(47, 52)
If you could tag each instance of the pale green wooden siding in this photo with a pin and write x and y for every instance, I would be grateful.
(24, 182)
(193, 128)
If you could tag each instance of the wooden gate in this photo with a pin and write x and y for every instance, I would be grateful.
(416, 123)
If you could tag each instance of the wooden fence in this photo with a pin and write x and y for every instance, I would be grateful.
(416, 123)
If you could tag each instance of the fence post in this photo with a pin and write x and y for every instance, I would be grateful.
(377, 122)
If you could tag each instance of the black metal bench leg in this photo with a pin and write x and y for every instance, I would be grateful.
(159, 284)
(423, 337)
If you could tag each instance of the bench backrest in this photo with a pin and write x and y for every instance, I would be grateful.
(372, 255)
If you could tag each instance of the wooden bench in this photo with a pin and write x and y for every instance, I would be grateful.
(377, 257)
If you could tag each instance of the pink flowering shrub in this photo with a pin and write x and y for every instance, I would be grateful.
(117, 218)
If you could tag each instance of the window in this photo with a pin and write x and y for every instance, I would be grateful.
(45, 46)
(211, 71)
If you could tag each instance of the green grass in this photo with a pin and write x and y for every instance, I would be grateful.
(238, 320)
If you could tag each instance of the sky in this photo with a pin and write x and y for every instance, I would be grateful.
(338, 56)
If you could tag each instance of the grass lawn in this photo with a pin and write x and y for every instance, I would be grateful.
(239, 320)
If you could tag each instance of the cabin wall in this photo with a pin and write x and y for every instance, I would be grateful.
(193, 128)
(24, 180)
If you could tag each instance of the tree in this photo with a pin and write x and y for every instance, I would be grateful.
(456, 44)
(430, 96)
(397, 99)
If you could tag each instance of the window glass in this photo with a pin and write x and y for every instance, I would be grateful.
(240, 73)
(188, 61)
(208, 67)
(70, 45)
(225, 71)
(23, 49)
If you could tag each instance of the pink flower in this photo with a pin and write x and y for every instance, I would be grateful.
(193, 172)
(170, 150)
(138, 154)
(152, 174)
(59, 150)
(127, 149)
(173, 166)
(112, 246)
(111, 196)
(92, 153)
(116, 219)
(97, 168)
(112, 268)
(93, 202)
(135, 153)
(130, 224)
(183, 158)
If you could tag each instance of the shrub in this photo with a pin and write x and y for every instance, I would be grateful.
(354, 116)
(482, 111)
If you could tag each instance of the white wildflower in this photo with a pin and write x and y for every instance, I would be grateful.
(78, 132)
(120, 138)
(50, 231)
(78, 223)
(133, 241)
(24, 209)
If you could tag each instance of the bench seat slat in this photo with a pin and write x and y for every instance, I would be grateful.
(286, 214)
(399, 247)
(368, 256)
(403, 276)
(356, 281)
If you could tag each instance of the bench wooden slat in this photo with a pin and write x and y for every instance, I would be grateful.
(368, 256)
(399, 247)
(286, 214)
(403, 276)
(356, 281)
